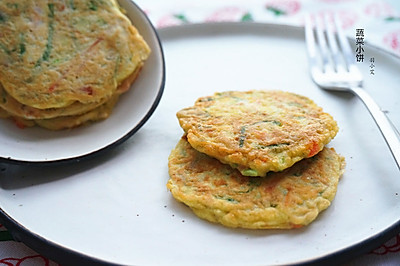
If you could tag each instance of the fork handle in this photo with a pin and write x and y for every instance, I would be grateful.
(386, 127)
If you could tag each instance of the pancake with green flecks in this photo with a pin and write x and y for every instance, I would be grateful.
(72, 116)
(257, 131)
(282, 200)
(66, 58)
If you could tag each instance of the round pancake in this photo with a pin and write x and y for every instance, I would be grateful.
(218, 193)
(66, 122)
(257, 131)
(53, 54)
(17, 109)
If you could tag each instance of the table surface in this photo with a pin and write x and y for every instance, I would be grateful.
(379, 19)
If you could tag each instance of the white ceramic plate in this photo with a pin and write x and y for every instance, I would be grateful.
(116, 208)
(37, 145)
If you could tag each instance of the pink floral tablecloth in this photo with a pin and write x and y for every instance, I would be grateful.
(379, 19)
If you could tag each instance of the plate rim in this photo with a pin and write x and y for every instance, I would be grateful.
(63, 254)
(122, 138)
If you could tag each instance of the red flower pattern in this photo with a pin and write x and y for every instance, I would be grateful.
(392, 40)
(284, 7)
(347, 17)
(169, 20)
(379, 10)
(336, 1)
(226, 14)
(28, 260)
(392, 246)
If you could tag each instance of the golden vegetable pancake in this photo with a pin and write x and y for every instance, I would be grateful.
(66, 122)
(56, 53)
(17, 109)
(257, 131)
(61, 118)
(282, 200)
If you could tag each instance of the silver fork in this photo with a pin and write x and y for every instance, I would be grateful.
(332, 68)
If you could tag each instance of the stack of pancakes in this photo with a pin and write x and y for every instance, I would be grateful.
(65, 63)
(255, 159)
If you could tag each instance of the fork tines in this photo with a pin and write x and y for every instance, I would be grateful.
(328, 47)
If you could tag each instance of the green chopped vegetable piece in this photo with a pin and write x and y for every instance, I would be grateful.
(2, 17)
(242, 136)
(250, 172)
(4, 97)
(49, 45)
(72, 5)
(226, 198)
(93, 5)
(22, 47)
(51, 10)
(274, 122)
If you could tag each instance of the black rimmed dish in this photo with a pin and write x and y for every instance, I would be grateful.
(38, 145)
